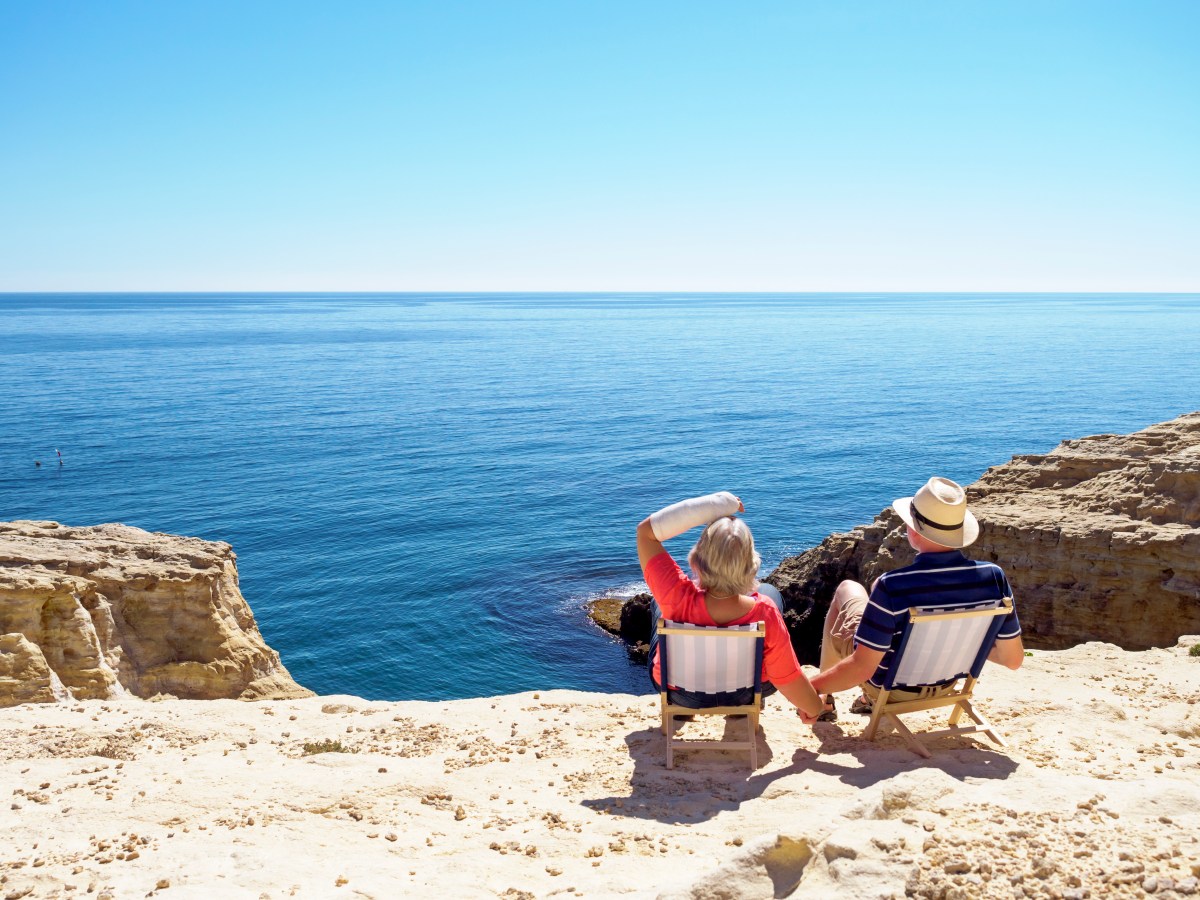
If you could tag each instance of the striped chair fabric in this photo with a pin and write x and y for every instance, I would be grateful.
(941, 650)
(941, 654)
(710, 663)
(710, 660)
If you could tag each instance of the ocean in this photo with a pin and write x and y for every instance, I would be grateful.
(424, 490)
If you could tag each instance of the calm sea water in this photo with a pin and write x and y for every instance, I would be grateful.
(423, 490)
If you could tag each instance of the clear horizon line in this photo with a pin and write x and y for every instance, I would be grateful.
(580, 291)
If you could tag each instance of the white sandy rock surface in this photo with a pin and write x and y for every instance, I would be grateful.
(565, 794)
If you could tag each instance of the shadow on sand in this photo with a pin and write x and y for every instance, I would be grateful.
(705, 783)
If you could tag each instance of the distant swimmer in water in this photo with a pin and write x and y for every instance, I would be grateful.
(59, 452)
(38, 463)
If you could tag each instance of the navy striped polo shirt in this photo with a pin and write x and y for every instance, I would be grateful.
(943, 580)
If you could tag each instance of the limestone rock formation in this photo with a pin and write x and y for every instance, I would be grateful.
(1100, 539)
(25, 676)
(109, 609)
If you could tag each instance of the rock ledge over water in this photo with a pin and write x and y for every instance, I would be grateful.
(108, 610)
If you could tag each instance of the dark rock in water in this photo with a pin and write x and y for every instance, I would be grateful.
(606, 612)
(805, 631)
(636, 619)
(627, 619)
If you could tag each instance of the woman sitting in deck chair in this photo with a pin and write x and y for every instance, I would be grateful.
(724, 593)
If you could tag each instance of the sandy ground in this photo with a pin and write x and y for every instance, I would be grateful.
(566, 794)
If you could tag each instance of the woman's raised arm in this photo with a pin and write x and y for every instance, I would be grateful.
(674, 520)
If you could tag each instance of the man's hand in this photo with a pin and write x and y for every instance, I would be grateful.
(812, 720)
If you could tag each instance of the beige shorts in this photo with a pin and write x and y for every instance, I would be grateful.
(841, 624)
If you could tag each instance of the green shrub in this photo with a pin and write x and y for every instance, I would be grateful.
(326, 747)
(1195, 651)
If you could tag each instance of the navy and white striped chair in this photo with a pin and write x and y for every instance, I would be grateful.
(940, 656)
(711, 660)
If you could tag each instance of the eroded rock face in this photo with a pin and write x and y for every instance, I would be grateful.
(111, 609)
(25, 676)
(1100, 539)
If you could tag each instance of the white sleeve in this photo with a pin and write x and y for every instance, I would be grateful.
(685, 515)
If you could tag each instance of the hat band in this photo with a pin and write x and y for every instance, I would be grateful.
(916, 514)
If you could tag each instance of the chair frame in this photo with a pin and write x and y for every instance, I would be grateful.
(887, 712)
(750, 710)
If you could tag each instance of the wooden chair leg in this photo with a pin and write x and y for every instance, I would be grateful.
(876, 715)
(964, 705)
(984, 725)
(752, 727)
(911, 738)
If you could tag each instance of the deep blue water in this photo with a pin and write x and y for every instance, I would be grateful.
(423, 489)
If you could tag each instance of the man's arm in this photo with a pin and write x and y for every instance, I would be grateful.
(1009, 652)
(850, 672)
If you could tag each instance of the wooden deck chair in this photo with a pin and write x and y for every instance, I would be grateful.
(711, 660)
(940, 656)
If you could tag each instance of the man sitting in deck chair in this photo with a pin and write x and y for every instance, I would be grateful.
(862, 633)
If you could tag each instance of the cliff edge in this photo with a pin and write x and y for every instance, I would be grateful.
(109, 610)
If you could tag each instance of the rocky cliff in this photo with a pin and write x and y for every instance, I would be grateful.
(98, 612)
(1100, 539)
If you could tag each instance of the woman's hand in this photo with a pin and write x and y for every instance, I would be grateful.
(813, 719)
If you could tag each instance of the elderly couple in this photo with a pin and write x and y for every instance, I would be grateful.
(861, 631)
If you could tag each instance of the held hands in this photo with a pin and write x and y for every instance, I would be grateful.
(812, 720)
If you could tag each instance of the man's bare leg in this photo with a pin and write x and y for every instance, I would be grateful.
(841, 622)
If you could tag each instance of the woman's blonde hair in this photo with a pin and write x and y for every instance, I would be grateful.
(724, 559)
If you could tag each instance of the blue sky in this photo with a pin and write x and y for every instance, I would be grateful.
(794, 146)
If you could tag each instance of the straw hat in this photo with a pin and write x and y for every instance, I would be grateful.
(939, 512)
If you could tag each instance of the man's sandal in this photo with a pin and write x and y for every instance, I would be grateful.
(862, 706)
(830, 714)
